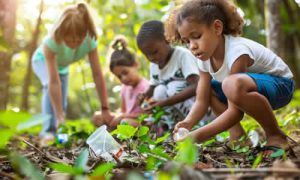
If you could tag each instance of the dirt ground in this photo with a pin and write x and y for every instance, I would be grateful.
(213, 161)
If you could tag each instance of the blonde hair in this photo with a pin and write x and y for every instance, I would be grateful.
(76, 21)
(205, 12)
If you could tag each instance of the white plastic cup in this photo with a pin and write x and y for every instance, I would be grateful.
(180, 134)
(101, 142)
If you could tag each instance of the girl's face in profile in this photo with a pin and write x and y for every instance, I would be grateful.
(128, 75)
(202, 40)
(156, 51)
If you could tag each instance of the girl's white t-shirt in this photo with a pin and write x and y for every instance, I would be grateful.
(265, 61)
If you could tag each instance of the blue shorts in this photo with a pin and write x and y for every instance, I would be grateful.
(278, 90)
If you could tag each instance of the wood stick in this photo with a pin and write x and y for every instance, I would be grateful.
(4, 174)
(252, 170)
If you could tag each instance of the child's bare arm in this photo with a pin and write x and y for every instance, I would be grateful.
(185, 94)
(54, 85)
(201, 104)
(241, 64)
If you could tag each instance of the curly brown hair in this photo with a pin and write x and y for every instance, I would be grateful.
(205, 12)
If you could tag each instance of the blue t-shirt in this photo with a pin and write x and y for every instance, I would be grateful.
(63, 54)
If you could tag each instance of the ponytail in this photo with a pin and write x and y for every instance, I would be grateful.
(83, 9)
(120, 55)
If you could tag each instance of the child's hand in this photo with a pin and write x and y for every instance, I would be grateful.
(60, 119)
(115, 121)
(151, 103)
(106, 115)
(97, 119)
(183, 124)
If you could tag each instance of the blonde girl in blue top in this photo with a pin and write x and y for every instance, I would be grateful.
(237, 75)
(72, 38)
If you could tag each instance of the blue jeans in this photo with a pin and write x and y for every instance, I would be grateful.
(40, 69)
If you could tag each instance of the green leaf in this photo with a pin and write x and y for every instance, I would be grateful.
(159, 151)
(158, 115)
(82, 159)
(243, 149)
(124, 131)
(5, 135)
(208, 142)
(142, 117)
(278, 153)
(12, 119)
(64, 168)
(143, 148)
(152, 163)
(25, 167)
(143, 130)
(187, 152)
(102, 169)
(257, 160)
(161, 139)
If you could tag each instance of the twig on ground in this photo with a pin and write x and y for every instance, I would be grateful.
(4, 174)
(210, 158)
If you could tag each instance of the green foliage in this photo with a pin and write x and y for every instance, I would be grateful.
(278, 153)
(143, 130)
(187, 152)
(79, 167)
(24, 167)
(64, 168)
(5, 135)
(124, 131)
(257, 160)
(163, 138)
(103, 169)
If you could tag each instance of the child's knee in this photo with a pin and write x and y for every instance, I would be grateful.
(233, 86)
(160, 93)
(174, 87)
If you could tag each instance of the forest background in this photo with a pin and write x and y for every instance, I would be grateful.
(24, 23)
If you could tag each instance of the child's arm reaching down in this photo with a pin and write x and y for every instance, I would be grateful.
(201, 104)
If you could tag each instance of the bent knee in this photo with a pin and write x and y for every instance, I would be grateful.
(160, 93)
(234, 86)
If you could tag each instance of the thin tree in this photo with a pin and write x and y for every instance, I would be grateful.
(31, 48)
(273, 25)
(7, 30)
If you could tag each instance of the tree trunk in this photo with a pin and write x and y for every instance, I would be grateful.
(32, 47)
(7, 29)
(291, 41)
(273, 25)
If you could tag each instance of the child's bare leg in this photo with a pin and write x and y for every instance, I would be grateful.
(236, 131)
(241, 91)
(224, 121)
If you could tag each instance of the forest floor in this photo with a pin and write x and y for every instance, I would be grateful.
(213, 162)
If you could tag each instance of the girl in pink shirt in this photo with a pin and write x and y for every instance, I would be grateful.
(124, 66)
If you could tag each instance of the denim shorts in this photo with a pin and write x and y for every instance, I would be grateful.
(278, 90)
